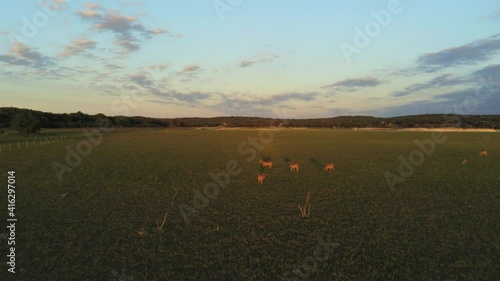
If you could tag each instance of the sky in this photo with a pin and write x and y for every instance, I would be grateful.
(293, 59)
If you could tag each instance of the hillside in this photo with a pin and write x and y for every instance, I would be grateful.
(80, 119)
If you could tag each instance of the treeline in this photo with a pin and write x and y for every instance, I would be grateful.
(79, 119)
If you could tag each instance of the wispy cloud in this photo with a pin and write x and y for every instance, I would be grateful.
(92, 6)
(489, 71)
(189, 72)
(128, 30)
(354, 84)
(77, 46)
(158, 67)
(190, 98)
(22, 55)
(251, 103)
(468, 54)
(440, 81)
(156, 87)
(54, 5)
(260, 58)
(190, 68)
(494, 15)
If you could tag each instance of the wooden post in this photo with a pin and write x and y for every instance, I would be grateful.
(19, 145)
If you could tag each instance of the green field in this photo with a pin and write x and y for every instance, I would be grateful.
(99, 221)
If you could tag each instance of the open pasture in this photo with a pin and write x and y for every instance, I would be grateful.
(99, 222)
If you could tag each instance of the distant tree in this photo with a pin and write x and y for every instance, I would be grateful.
(25, 122)
(122, 121)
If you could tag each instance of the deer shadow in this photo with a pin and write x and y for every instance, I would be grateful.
(316, 163)
(265, 158)
(286, 159)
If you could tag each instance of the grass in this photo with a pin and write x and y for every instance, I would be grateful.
(441, 223)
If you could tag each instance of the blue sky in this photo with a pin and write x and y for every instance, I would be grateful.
(251, 58)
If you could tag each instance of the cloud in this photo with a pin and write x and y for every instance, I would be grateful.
(440, 81)
(189, 72)
(86, 14)
(22, 55)
(258, 106)
(489, 71)
(488, 77)
(142, 80)
(92, 6)
(128, 44)
(158, 67)
(481, 99)
(457, 95)
(291, 96)
(354, 84)
(261, 58)
(190, 68)
(77, 46)
(114, 66)
(152, 86)
(157, 31)
(190, 98)
(128, 30)
(468, 54)
(270, 101)
(494, 15)
(54, 5)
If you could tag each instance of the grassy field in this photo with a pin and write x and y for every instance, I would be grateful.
(99, 221)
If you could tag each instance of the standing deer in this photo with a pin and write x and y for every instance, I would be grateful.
(266, 163)
(294, 166)
(261, 177)
(483, 152)
(329, 167)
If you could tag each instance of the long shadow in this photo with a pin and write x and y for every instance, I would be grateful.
(265, 158)
(286, 159)
(316, 163)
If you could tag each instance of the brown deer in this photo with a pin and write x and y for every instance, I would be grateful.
(464, 161)
(483, 152)
(265, 164)
(329, 167)
(261, 177)
(294, 166)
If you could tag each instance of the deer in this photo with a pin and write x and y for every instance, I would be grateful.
(464, 161)
(329, 167)
(294, 166)
(483, 152)
(265, 164)
(261, 177)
